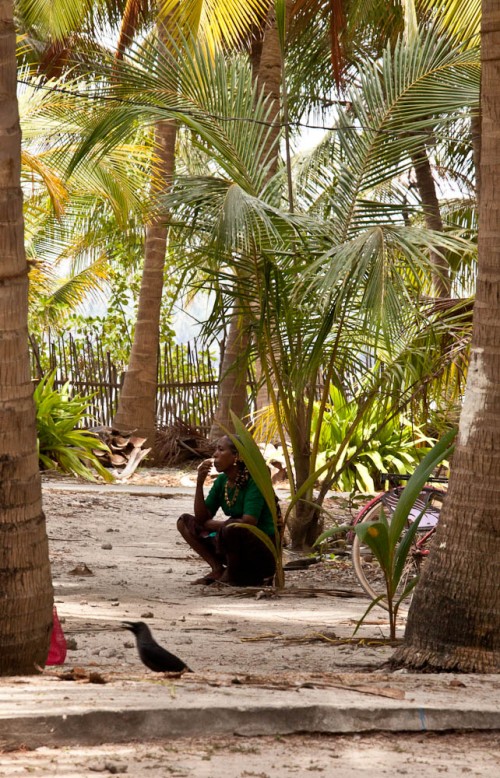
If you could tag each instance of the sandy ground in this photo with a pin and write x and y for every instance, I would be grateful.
(119, 556)
(416, 756)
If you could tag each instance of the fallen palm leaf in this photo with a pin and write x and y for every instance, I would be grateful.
(325, 638)
(283, 684)
(225, 590)
(78, 674)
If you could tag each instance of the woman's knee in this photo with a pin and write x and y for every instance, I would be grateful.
(184, 523)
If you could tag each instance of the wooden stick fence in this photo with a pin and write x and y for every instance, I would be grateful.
(187, 382)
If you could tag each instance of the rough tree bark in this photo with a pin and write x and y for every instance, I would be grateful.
(26, 595)
(137, 404)
(454, 619)
(265, 57)
(441, 284)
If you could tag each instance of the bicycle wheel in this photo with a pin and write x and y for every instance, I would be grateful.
(365, 563)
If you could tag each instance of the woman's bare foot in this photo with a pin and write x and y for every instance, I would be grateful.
(225, 579)
(210, 578)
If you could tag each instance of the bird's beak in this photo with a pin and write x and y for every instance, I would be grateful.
(127, 625)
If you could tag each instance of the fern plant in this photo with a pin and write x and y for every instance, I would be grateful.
(61, 445)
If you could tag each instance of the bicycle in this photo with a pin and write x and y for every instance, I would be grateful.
(428, 505)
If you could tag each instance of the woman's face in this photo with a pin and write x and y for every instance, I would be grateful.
(224, 456)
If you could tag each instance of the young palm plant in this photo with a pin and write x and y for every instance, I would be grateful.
(344, 269)
(391, 542)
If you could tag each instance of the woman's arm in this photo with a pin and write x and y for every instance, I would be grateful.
(201, 512)
(216, 524)
(247, 519)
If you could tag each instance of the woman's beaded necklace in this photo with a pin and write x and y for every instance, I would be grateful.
(230, 501)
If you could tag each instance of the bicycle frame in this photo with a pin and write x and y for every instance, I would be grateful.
(425, 509)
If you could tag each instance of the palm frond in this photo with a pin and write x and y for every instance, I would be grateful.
(217, 21)
(56, 16)
(461, 18)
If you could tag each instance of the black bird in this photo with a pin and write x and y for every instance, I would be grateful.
(151, 653)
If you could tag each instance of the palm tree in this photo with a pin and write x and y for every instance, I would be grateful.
(331, 41)
(454, 619)
(351, 248)
(266, 57)
(228, 21)
(137, 402)
(81, 222)
(323, 42)
(26, 601)
(365, 165)
(356, 231)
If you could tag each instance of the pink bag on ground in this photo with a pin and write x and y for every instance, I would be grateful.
(57, 648)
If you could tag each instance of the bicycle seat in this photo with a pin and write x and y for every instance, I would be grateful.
(430, 515)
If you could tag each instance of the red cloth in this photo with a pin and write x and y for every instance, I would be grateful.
(57, 648)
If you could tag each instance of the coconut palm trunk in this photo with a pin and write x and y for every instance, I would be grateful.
(267, 64)
(233, 386)
(267, 67)
(427, 189)
(137, 403)
(233, 389)
(454, 619)
(25, 582)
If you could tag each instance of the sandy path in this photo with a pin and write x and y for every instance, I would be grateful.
(142, 569)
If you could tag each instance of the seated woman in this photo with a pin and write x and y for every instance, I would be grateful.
(236, 556)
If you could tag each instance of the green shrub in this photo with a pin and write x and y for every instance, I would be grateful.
(60, 444)
(375, 447)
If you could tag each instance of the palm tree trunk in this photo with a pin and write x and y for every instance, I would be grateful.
(137, 403)
(266, 65)
(233, 392)
(476, 150)
(427, 190)
(26, 595)
(267, 72)
(267, 68)
(454, 619)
